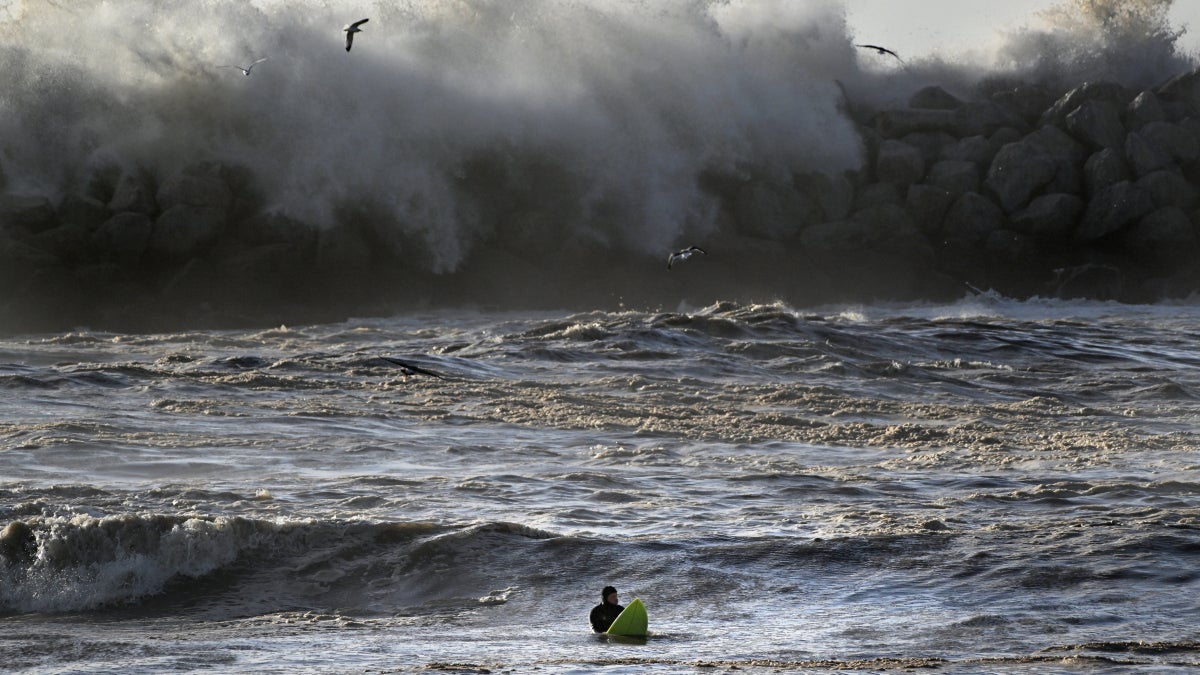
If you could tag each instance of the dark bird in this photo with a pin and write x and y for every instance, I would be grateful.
(882, 51)
(247, 69)
(684, 254)
(352, 28)
(407, 369)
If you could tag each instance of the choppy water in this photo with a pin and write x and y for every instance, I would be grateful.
(982, 486)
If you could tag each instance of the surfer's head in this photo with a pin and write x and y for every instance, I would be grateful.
(609, 592)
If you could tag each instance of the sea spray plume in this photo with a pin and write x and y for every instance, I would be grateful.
(533, 125)
(1128, 41)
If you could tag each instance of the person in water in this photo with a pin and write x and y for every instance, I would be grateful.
(607, 611)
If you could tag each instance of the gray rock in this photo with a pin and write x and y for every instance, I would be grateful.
(877, 194)
(1018, 171)
(833, 194)
(1183, 89)
(1112, 209)
(956, 177)
(928, 205)
(773, 211)
(970, 221)
(884, 229)
(1102, 282)
(202, 191)
(930, 143)
(1088, 91)
(183, 231)
(976, 149)
(983, 118)
(899, 163)
(1051, 218)
(1097, 124)
(1068, 154)
(1176, 140)
(898, 123)
(133, 194)
(1103, 169)
(1163, 237)
(1169, 188)
(1144, 156)
(29, 213)
(1003, 136)
(124, 237)
(1026, 101)
(1144, 108)
(82, 210)
(934, 98)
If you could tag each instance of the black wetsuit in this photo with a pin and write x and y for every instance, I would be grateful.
(603, 615)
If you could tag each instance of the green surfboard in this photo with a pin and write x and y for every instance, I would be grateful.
(631, 622)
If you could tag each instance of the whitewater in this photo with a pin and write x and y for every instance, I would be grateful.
(857, 458)
(986, 485)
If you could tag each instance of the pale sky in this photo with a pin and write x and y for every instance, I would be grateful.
(916, 28)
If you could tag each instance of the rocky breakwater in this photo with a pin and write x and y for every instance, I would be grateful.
(127, 250)
(1091, 193)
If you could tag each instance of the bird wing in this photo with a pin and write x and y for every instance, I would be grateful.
(358, 23)
(349, 40)
(409, 366)
(698, 250)
(256, 63)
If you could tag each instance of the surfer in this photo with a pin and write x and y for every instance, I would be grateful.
(607, 611)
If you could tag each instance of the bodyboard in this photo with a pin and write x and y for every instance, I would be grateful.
(631, 622)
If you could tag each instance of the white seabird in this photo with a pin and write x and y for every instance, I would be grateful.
(352, 28)
(247, 69)
(684, 254)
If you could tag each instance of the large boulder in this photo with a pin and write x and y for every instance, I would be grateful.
(834, 194)
(976, 149)
(1162, 238)
(1018, 171)
(1169, 188)
(1144, 156)
(880, 248)
(1097, 123)
(899, 163)
(928, 205)
(956, 177)
(27, 213)
(877, 194)
(183, 231)
(1105, 168)
(898, 123)
(133, 193)
(934, 98)
(80, 209)
(123, 238)
(1183, 89)
(1143, 109)
(773, 211)
(1068, 154)
(1179, 143)
(970, 221)
(1088, 91)
(1050, 218)
(984, 117)
(1112, 209)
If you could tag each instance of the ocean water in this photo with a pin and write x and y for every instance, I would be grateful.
(980, 486)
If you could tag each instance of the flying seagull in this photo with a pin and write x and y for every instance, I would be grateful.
(684, 254)
(247, 69)
(350, 29)
(882, 51)
(407, 369)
